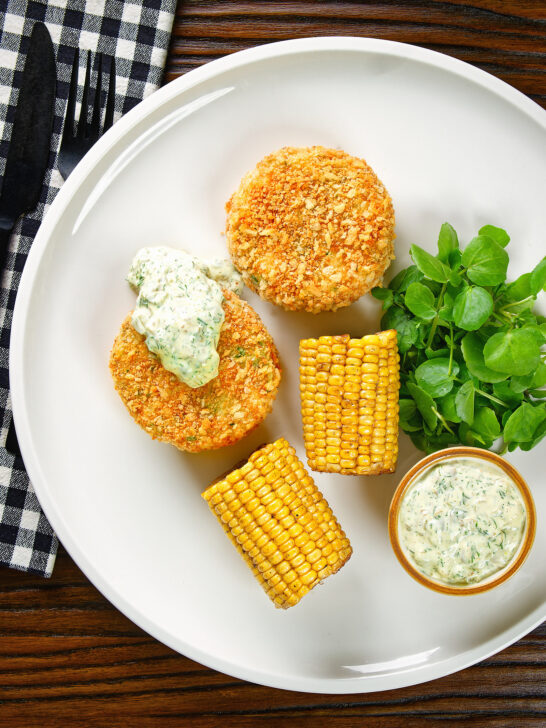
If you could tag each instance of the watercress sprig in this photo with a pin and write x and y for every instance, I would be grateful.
(472, 366)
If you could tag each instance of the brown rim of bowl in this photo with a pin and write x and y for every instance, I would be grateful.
(528, 534)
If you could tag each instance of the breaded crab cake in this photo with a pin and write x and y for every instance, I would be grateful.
(220, 412)
(311, 228)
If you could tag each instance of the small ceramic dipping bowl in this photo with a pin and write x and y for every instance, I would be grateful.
(419, 470)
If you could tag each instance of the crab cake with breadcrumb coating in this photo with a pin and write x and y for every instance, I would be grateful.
(216, 414)
(311, 229)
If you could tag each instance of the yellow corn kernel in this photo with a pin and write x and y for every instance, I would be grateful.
(279, 522)
(356, 417)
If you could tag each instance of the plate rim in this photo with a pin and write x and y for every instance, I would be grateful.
(178, 87)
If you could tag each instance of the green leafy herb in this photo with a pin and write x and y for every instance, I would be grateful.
(497, 234)
(472, 351)
(409, 416)
(512, 351)
(405, 325)
(486, 423)
(504, 392)
(448, 242)
(385, 295)
(486, 262)
(523, 423)
(405, 278)
(473, 366)
(472, 307)
(539, 376)
(448, 407)
(518, 385)
(435, 376)
(520, 289)
(464, 402)
(420, 301)
(538, 277)
(429, 266)
(425, 404)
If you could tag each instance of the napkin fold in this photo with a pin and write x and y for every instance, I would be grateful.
(138, 35)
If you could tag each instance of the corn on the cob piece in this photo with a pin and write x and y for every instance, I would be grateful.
(280, 523)
(349, 402)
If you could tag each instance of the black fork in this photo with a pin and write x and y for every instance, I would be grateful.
(80, 135)
(78, 138)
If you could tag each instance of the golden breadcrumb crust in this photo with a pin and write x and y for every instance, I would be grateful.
(311, 228)
(217, 414)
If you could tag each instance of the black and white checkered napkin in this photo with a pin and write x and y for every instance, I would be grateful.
(137, 33)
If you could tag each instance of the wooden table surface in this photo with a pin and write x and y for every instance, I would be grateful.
(67, 657)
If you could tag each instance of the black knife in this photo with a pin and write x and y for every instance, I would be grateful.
(30, 141)
(28, 150)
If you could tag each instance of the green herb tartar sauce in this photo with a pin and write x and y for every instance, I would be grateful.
(179, 309)
(461, 521)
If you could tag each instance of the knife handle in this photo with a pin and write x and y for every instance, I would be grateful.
(5, 235)
(6, 228)
(12, 444)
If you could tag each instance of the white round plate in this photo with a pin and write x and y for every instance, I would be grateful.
(450, 143)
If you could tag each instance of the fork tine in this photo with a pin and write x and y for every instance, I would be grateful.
(94, 129)
(82, 123)
(111, 101)
(79, 136)
(69, 122)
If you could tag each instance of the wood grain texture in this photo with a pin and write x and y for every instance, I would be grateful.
(507, 39)
(68, 658)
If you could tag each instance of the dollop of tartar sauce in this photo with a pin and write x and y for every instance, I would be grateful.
(179, 309)
(461, 521)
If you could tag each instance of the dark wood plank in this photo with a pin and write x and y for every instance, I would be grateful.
(507, 39)
(68, 658)
(67, 655)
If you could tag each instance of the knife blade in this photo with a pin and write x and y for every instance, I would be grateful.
(28, 150)
(30, 141)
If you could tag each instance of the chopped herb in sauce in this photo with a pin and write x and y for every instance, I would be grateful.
(462, 521)
(179, 309)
